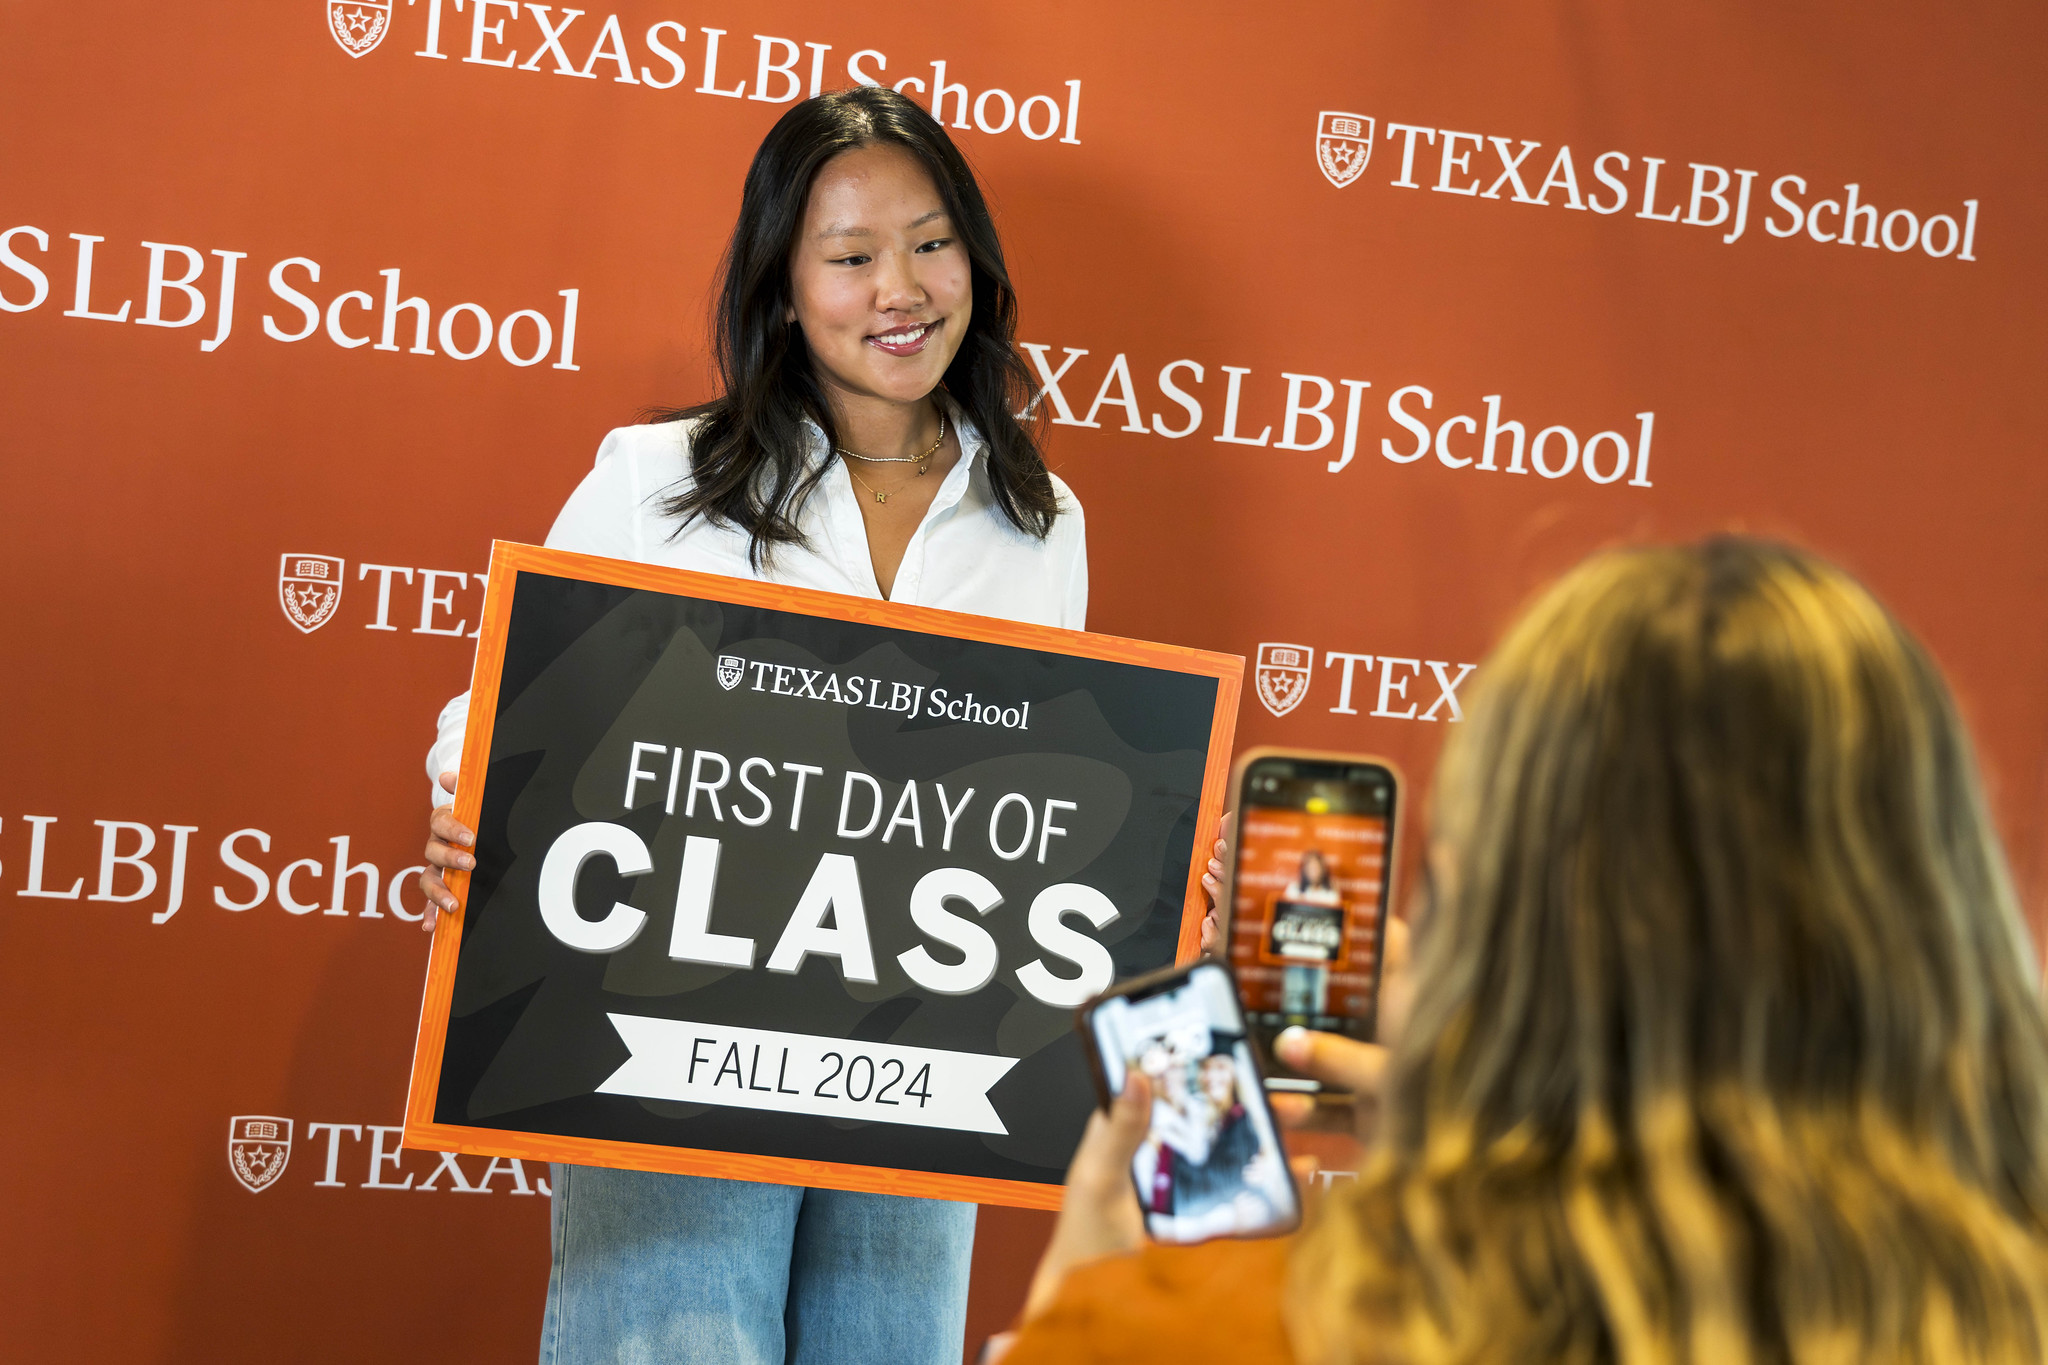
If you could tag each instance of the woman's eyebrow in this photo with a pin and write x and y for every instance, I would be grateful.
(845, 230)
(851, 230)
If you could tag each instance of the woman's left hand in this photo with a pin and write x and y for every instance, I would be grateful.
(1099, 1215)
(1212, 884)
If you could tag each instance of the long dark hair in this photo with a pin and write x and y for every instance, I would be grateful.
(749, 453)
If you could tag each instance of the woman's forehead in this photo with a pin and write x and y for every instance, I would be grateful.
(871, 189)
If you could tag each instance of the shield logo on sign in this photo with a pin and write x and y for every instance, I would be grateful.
(1343, 146)
(258, 1148)
(1283, 675)
(730, 669)
(358, 25)
(309, 589)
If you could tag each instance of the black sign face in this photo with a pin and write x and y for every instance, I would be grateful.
(758, 882)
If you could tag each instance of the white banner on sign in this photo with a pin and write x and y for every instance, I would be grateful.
(801, 1073)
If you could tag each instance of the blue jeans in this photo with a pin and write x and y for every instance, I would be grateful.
(678, 1268)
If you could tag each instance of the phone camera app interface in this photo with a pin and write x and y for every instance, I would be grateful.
(1305, 925)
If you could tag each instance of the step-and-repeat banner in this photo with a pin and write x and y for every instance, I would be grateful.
(1354, 323)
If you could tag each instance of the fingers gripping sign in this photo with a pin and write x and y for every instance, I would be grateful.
(448, 845)
(1212, 883)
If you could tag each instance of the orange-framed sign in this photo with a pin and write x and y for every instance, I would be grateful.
(776, 884)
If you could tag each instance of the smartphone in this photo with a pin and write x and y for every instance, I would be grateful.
(1211, 1164)
(1310, 880)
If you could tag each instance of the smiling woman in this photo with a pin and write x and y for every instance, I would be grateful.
(864, 279)
(864, 442)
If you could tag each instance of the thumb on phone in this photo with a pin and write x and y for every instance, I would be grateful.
(1102, 1163)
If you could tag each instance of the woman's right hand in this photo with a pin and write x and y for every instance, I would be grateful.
(448, 845)
(1099, 1214)
(1343, 1064)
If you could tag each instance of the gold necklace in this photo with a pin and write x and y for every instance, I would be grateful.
(919, 460)
(880, 496)
(923, 463)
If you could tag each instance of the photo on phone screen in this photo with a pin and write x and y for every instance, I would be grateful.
(1211, 1164)
(1308, 899)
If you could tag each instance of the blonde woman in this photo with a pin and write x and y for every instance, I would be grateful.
(1725, 1042)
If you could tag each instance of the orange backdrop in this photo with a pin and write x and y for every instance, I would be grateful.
(1291, 267)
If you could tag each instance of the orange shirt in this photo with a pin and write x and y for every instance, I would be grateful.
(1219, 1301)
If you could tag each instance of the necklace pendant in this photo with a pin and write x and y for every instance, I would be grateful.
(881, 497)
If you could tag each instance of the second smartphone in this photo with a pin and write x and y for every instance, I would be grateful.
(1211, 1164)
(1310, 881)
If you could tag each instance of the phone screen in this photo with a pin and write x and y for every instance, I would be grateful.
(1211, 1164)
(1309, 900)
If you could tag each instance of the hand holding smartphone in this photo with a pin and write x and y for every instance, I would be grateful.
(1307, 894)
(1211, 1164)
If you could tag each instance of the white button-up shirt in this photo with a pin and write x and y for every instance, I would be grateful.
(965, 555)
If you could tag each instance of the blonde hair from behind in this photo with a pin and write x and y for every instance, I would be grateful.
(1726, 1043)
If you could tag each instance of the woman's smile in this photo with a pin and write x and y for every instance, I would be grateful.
(908, 339)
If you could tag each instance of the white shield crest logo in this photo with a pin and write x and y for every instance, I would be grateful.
(731, 667)
(1343, 146)
(258, 1148)
(309, 589)
(358, 25)
(1283, 675)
